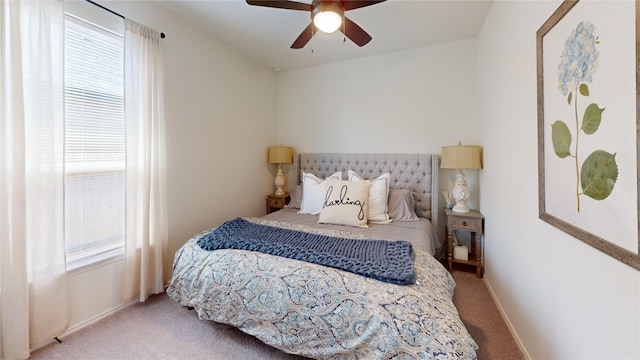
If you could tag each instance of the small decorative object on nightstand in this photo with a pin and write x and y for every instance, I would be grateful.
(473, 222)
(277, 202)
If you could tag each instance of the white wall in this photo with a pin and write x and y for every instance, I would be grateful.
(565, 299)
(416, 100)
(413, 101)
(221, 117)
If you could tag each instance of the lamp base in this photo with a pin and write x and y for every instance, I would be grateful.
(460, 193)
(280, 181)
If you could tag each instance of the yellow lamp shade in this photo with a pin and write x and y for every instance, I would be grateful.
(280, 155)
(461, 157)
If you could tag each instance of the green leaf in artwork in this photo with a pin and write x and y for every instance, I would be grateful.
(591, 119)
(569, 98)
(584, 89)
(599, 174)
(561, 138)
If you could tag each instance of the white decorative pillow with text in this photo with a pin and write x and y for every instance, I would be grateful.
(313, 192)
(378, 197)
(346, 203)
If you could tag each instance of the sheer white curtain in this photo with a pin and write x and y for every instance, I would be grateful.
(33, 296)
(146, 227)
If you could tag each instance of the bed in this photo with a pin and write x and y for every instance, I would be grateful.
(320, 310)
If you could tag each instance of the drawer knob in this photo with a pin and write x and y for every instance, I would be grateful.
(464, 223)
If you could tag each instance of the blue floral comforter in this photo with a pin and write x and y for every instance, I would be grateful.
(321, 312)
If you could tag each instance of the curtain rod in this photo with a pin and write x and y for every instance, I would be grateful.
(114, 13)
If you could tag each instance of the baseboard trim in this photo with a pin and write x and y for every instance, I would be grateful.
(86, 323)
(506, 319)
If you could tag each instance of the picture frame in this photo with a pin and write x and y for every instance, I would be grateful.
(587, 57)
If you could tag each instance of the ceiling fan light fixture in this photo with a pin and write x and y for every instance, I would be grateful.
(327, 16)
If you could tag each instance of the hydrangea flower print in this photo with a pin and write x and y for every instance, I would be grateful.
(597, 175)
(579, 58)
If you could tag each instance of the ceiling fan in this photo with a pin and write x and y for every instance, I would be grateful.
(326, 15)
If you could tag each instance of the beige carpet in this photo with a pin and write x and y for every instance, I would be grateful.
(161, 329)
(483, 319)
(158, 329)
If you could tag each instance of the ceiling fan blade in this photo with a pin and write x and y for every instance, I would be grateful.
(291, 5)
(355, 32)
(356, 4)
(304, 37)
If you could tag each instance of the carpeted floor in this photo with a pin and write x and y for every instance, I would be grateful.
(483, 319)
(161, 329)
(158, 329)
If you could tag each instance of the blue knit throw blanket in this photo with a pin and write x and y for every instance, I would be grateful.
(389, 261)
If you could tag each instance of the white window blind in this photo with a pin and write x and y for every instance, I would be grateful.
(94, 142)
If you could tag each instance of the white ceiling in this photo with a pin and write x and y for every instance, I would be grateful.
(266, 34)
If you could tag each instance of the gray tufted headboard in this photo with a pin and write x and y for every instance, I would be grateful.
(417, 172)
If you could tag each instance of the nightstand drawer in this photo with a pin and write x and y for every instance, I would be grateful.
(469, 224)
(276, 202)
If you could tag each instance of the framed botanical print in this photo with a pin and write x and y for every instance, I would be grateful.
(587, 73)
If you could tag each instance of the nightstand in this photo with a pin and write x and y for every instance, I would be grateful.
(277, 202)
(472, 222)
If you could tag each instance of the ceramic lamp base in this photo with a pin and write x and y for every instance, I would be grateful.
(460, 193)
(280, 181)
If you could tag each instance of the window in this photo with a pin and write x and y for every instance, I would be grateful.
(94, 143)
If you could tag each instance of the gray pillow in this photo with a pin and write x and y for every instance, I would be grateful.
(296, 198)
(402, 204)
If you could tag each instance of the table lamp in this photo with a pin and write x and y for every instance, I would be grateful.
(280, 155)
(461, 157)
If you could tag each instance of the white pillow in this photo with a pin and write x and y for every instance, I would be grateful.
(378, 197)
(313, 192)
(346, 203)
